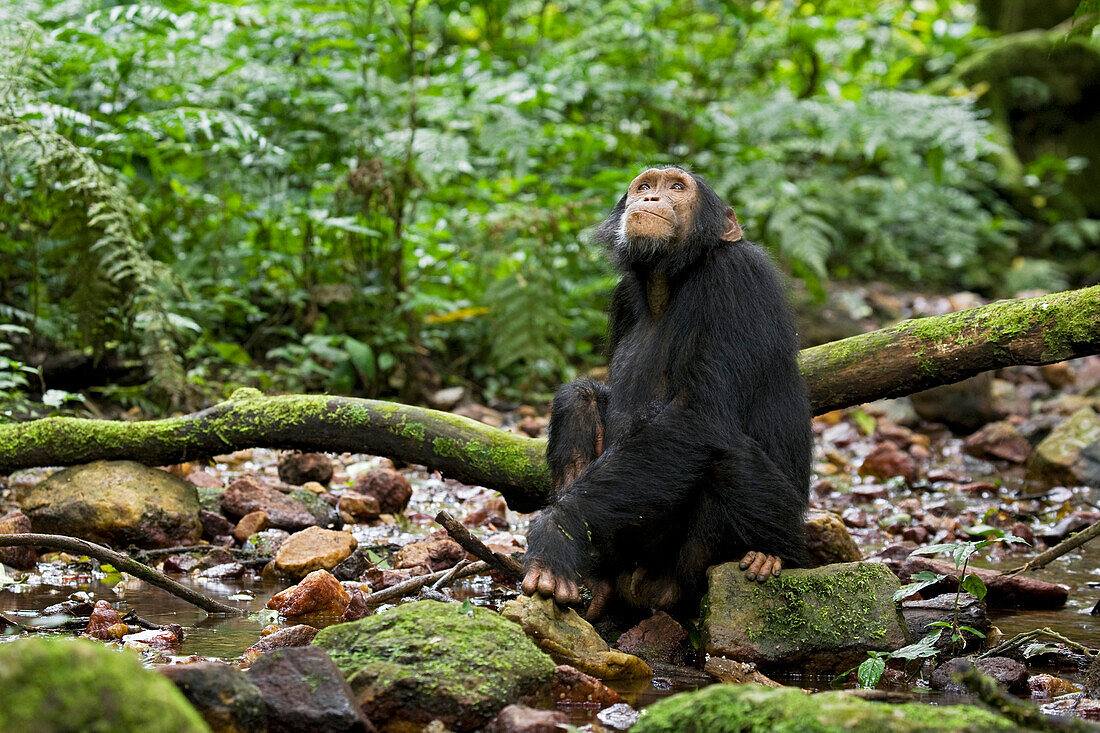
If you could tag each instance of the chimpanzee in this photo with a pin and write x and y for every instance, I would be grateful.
(697, 451)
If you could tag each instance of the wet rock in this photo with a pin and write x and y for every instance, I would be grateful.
(180, 563)
(481, 413)
(522, 719)
(357, 508)
(1001, 440)
(659, 640)
(300, 468)
(353, 567)
(430, 555)
(736, 673)
(166, 639)
(619, 716)
(1008, 672)
(1003, 591)
(571, 640)
(380, 579)
(214, 525)
(319, 594)
(266, 543)
(118, 503)
(917, 535)
(250, 524)
(729, 708)
(105, 623)
(487, 511)
(313, 549)
(299, 635)
(59, 685)
(919, 616)
(389, 488)
(306, 693)
(204, 479)
(572, 687)
(227, 701)
(828, 540)
(248, 494)
(20, 558)
(217, 556)
(425, 661)
(1071, 524)
(446, 399)
(963, 406)
(357, 607)
(821, 619)
(1076, 707)
(1070, 455)
(226, 570)
(887, 460)
(1047, 686)
(321, 506)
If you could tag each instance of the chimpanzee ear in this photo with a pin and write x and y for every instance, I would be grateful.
(733, 229)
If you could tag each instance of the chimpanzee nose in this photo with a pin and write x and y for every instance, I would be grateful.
(652, 197)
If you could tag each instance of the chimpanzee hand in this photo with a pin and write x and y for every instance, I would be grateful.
(542, 580)
(758, 566)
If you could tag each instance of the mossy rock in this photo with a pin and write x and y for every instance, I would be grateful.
(751, 708)
(118, 503)
(824, 619)
(1070, 455)
(426, 660)
(63, 685)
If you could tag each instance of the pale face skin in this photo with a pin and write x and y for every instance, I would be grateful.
(659, 205)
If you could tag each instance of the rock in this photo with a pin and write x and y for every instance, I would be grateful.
(217, 556)
(390, 488)
(737, 708)
(963, 406)
(1047, 686)
(736, 673)
(572, 687)
(355, 508)
(357, 608)
(62, 685)
(250, 524)
(887, 460)
(571, 640)
(532, 427)
(432, 555)
(306, 693)
(522, 719)
(105, 623)
(299, 635)
(424, 661)
(920, 615)
(118, 503)
(319, 594)
(380, 579)
(324, 513)
(204, 479)
(166, 639)
(20, 558)
(1070, 455)
(226, 570)
(227, 701)
(823, 619)
(619, 716)
(828, 540)
(659, 640)
(446, 399)
(1003, 591)
(313, 549)
(214, 524)
(1073, 707)
(481, 413)
(180, 563)
(266, 543)
(300, 468)
(248, 494)
(1001, 440)
(1071, 524)
(1008, 672)
(353, 567)
(487, 511)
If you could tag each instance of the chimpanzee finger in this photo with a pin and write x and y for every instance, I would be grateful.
(567, 593)
(747, 559)
(601, 594)
(548, 582)
(757, 566)
(777, 567)
(766, 571)
(531, 581)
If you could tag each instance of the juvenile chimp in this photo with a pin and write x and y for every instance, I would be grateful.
(697, 451)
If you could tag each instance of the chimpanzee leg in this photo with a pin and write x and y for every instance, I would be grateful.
(576, 430)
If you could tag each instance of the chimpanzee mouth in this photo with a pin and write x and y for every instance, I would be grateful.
(651, 213)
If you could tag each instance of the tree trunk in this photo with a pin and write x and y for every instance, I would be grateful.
(911, 356)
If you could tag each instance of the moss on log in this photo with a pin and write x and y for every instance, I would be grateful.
(908, 357)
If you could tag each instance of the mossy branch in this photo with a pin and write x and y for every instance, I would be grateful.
(905, 358)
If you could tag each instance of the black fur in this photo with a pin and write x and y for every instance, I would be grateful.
(706, 421)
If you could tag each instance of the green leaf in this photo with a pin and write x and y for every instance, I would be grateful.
(973, 585)
(865, 422)
(923, 579)
(922, 649)
(467, 607)
(973, 631)
(1038, 649)
(870, 672)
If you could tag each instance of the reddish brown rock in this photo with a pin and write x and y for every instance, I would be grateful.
(180, 563)
(381, 579)
(20, 558)
(483, 414)
(214, 525)
(105, 623)
(304, 691)
(1047, 685)
(999, 440)
(1008, 673)
(522, 719)
(1003, 591)
(299, 468)
(532, 427)
(299, 635)
(318, 594)
(389, 488)
(572, 687)
(161, 639)
(437, 554)
(357, 608)
(828, 540)
(886, 460)
(732, 672)
(659, 640)
(248, 494)
(487, 511)
(250, 524)
(355, 507)
(204, 479)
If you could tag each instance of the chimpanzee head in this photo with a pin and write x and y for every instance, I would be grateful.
(665, 221)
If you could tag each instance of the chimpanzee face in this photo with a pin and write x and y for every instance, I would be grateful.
(660, 206)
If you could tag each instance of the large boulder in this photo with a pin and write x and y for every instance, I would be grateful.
(752, 708)
(56, 685)
(304, 691)
(222, 694)
(426, 660)
(824, 619)
(118, 503)
(1070, 455)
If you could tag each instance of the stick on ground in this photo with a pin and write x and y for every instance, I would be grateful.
(412, 585)
(463, 536)
(122, 563)
(1067, 545)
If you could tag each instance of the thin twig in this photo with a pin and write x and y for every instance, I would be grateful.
(463, 536)
(122, 563)
(1067, 545)
(442, 582)
(1025, 636)
(414, 584)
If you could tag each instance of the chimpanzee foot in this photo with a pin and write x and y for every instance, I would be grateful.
(759, 566)
(602, 591)
(646, 589)
(543, 581)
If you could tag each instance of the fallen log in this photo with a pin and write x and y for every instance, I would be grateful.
(911, 356)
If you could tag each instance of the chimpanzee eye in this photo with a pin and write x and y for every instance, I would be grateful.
(678, 186)
(643, 187)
